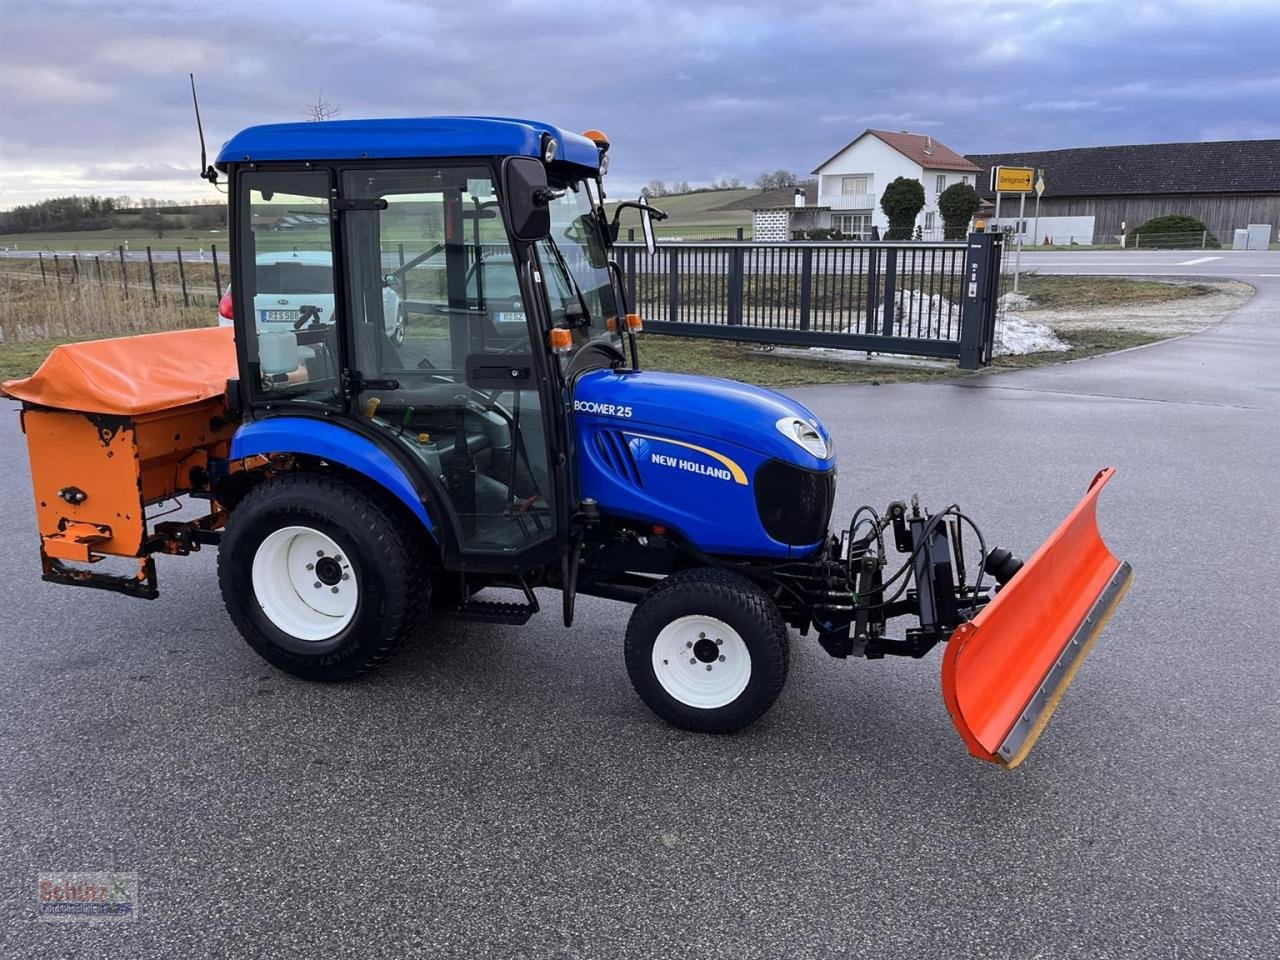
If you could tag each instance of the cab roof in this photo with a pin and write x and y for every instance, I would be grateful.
(404, 138)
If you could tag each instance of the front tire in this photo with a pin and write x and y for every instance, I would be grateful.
(322, 579)
(707, 651)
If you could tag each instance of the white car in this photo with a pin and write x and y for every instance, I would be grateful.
(289, 281)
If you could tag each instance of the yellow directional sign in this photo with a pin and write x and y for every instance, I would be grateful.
(1013, 179)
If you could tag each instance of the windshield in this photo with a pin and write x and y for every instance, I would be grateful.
(578, 274)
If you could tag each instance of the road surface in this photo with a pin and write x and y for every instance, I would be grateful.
(501, 792)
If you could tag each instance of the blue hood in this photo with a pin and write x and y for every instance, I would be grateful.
(708, 407)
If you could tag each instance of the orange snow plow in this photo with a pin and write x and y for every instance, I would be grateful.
(1006, 669)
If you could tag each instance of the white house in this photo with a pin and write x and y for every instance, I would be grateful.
(849, 184)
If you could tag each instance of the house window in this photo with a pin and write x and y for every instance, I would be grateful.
(965, 179)
(856, 225)
(942, 182)
(853, 185)
(928, 222)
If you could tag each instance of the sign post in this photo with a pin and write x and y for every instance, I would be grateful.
(1039, 194)
(1019, 180)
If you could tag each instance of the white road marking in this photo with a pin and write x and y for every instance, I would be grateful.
(1192, 263)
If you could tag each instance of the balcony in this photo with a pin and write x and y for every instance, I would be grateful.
(847, 201)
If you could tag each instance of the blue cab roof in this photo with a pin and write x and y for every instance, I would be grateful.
(403, 138)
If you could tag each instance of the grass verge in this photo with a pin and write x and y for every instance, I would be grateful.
(1048, 291)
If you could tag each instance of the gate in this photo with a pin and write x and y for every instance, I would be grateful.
(920, 299)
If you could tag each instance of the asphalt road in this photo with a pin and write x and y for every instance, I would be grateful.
(501, 792)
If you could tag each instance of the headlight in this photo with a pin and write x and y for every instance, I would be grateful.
(604, 164)
(805, 434)
(549, 148)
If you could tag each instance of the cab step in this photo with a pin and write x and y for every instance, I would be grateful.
(495, 611)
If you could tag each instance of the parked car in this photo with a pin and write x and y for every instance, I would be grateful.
(290, 280)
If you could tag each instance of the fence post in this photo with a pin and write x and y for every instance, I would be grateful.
(75, 269)
(124, 274)
(57, 273)
(737, 264)
(44, 280)
(739, 233)
(97, 268)
(806, 285)
(631, 234)
(673, 285)
(182, 279)
(873, 286)
(1204, 239)
(978, 310)
(217, 274)
(151, 269)
(890, 290)
(630, 254)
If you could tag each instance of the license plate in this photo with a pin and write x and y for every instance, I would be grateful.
(277, 316)
(508, 318)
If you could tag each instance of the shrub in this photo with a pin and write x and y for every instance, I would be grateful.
(1174, 231)
(957, 204)
(902, 201)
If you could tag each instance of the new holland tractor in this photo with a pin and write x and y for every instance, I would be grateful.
(360, 485)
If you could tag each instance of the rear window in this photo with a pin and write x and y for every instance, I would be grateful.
(291, 277)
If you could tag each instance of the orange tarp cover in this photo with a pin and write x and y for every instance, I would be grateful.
(132, 375)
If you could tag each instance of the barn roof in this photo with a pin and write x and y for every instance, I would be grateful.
(1217, 166)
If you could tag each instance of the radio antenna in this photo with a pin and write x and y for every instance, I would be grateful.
(207, 172)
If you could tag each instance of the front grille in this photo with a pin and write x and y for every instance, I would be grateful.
(794, 503)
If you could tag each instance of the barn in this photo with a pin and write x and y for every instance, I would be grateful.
(1226, 184)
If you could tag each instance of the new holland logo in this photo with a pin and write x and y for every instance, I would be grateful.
(727, 469)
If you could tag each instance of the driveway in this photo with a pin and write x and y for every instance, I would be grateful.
(501, 792)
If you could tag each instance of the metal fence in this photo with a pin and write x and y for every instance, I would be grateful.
(920, 299)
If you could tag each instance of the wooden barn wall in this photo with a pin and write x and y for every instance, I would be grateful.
(1221, 213)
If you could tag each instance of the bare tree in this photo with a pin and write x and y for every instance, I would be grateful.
(322, 109)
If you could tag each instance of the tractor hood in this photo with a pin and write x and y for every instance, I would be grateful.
(682, 405)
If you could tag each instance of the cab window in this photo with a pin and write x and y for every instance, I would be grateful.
(287, 311)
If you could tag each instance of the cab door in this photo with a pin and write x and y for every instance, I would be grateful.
(445, 359)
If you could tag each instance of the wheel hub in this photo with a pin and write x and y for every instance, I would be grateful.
(328, 571)
(706, 650)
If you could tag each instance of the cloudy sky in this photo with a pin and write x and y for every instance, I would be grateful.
(94, 97)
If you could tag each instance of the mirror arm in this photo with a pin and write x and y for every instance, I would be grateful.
(617, 213)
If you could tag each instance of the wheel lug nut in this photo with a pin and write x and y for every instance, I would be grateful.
(317, 584)
(319, 553)
(693, 659)
(338, 557)
(311, 566)
(346, 576)
(335, 589)
(689, 644)
(708, 666)
(721, 658)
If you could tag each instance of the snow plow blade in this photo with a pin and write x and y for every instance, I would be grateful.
(1005, 671)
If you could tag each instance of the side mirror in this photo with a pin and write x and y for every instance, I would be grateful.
(524, 198)
(646, 226)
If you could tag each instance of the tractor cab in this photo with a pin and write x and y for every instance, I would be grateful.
(496, 268)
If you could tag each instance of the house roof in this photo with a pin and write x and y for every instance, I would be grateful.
(919, 147)
(1218, 166)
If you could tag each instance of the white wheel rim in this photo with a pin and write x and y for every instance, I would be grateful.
(701, 661)
(304, 583)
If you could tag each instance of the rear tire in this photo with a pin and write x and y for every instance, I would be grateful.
(322, 579)
(707, 651)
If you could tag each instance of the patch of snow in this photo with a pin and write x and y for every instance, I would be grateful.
(1013, 301)
(1017, 335)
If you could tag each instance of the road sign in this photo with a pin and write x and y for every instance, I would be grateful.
(1039, 186)
(1012, 179)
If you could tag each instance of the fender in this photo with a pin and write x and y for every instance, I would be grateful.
(319, 438)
